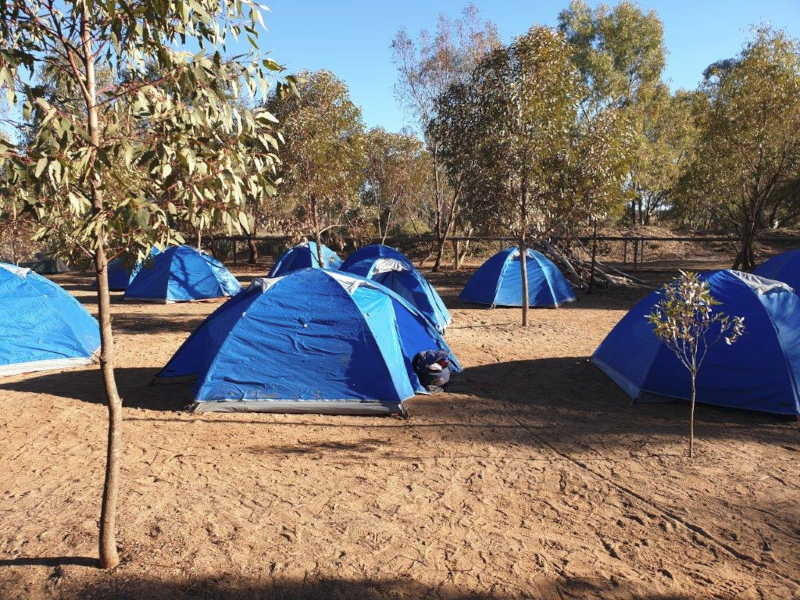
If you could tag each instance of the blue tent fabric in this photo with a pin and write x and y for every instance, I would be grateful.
(498, 281)
(761, 371)
(784, 267)
(391, 268)
(304, 256)
(312, 341)
(119, 277)
(182, 274)
(42, 326)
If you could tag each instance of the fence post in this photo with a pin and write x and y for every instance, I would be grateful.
(456, 254)
(641, 255)
(625, 253)
(635, 254)
(234, 253)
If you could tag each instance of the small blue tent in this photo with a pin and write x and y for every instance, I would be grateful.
(390, 267)
(119, 277)
(42, 326)
(784, 267)
(182, 274)
(314, 341)
(498, 281)
(761, 371)
(303, 256)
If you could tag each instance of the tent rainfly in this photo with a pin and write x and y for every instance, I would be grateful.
(182, 274)
(498, 281)
(304, 256)
(42, 326)
(314, 341)
(390, 267)
(761, 371)
(784, 267)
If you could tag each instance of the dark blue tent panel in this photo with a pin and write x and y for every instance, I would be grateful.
(42, 326)
(761, 371)
(784, 267)
(390, 267)
(314, 341)
(498, 281)
(182, 274)
(304, 256)
(120, 276)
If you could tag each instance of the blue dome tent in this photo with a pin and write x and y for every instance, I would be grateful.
(119, 277)
(182, 274)
(390, 267)
(303, 256)
(761, 371)
(314, 341)
(498, 281)
(784, 267)
(42, 326)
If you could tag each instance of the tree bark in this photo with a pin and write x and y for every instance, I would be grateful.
(691, 416)
(109, 558)
(523, 255)
(594, 259)
(317, 234)
(253, 248)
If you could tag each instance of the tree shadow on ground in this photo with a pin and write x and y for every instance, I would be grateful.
(87, 386)
(122, 585)
(136, 323)
(575, 403)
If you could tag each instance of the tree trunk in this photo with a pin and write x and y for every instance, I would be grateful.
(523, 265)
(317, 234)
(745, 259)
(199, 230)
(253, 248)
(109, 558)
(594, 259)
(440, 242)
(691, 416)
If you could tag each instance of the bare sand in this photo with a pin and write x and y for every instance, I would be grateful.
(533, 478)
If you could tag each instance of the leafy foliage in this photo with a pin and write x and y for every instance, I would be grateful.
(686, 321)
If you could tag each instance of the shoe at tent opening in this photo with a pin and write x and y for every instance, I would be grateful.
(761, 371)
(42, 326)
(120, 275)
(313, 341)
(783, 267)
(390, 267)
(498, 281)
(182, 274)
(304, 256)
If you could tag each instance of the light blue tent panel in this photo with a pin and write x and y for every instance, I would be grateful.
(313, 341)
(391, 268)
(761, 371)
(304, 256)
(498, 281)
(784, 267)
(42, 326)
(182, 274)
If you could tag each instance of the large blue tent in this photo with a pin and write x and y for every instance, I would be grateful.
(303, 256)
(120, 274)
(784, 267)
(182, 274)
(761, 371)
(42, 326)
(312, 341)
(498, 281)
(390, 267)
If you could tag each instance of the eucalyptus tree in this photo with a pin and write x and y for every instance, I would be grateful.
(426, 68)
(322, 160)
(621, 56)
(507, 133)
(99, 167)
(747, 166)
(395, 170)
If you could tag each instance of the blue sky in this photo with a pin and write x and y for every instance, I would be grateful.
(352, 37)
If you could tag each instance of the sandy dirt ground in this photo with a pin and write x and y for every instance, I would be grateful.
(533, 478)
